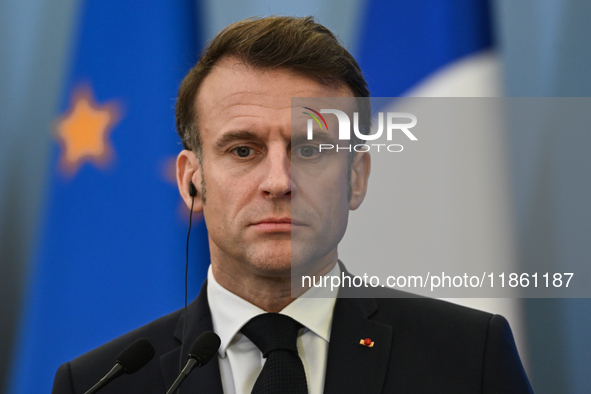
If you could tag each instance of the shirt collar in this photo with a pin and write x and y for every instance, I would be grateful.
(229, 312)
(314, 308)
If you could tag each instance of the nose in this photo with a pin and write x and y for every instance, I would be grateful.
(276, 181)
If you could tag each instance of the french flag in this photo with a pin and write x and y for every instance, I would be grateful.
(438, 49)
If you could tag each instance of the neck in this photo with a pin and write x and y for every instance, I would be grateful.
(270, 293)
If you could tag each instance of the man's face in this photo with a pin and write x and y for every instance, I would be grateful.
(245, 125)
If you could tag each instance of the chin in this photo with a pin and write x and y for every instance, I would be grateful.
(281, 262)
(276, 264)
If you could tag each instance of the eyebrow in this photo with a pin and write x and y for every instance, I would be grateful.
(231, 136)
(320, 137)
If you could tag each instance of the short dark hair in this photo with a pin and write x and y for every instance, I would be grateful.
(297, 44)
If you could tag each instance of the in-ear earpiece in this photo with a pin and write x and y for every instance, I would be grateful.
(192, 189)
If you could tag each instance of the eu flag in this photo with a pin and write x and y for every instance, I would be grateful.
(112, 243)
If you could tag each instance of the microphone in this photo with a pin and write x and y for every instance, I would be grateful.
(200, 352)
(130, 360)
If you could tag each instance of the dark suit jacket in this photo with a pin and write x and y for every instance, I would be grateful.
(422, 345)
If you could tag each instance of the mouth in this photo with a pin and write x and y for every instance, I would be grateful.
(273, 224)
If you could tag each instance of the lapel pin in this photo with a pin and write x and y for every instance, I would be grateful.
(367, 342)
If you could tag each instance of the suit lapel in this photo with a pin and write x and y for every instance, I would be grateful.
(201, 380)
(352, 367)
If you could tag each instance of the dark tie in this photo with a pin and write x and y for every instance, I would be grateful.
(276, 336)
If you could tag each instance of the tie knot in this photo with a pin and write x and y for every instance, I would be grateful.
(272, 331)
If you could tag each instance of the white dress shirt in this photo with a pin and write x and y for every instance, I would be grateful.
(241, 361)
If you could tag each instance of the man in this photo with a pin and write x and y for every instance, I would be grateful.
(273, 204)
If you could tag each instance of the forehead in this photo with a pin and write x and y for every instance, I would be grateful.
(237, 93)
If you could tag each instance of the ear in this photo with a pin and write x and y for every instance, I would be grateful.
(187, 169)
(360, 169)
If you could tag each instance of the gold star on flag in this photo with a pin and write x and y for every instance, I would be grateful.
(83, 131)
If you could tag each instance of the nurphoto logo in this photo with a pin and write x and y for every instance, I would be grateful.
(393, 124)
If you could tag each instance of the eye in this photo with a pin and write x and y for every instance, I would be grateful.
(306, 151)
(243, 151)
